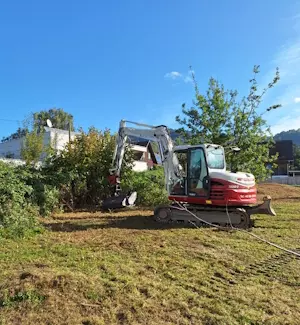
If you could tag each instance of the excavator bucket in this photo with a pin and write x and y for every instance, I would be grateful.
(119, 201)
(263, 208)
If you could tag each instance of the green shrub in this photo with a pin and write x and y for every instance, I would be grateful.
(17, 215)
(149, 185)
(80, 171)
(47, 199)
(43, 195)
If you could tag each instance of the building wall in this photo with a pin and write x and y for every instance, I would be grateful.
(139, 166)
(139, 148)
(57, 138)
(282, 168)
(148, 159)
(284, 149)
(284, 179)
(144, 161)
(11, 147)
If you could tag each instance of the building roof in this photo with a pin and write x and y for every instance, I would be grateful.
(143, 143)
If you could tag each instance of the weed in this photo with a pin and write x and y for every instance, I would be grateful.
(31, 296)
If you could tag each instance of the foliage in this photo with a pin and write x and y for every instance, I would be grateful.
(31, 296)
(149, 185)
(21, 132)
(219, 117)
(32, 147)
(80, 171)
(48, 200)
(296, 152)
(16, 213)
(59, 118)
(44, 195)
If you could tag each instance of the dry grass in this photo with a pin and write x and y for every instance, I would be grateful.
(123, 268)
(282, 193)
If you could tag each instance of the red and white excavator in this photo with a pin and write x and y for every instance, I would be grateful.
(195, 177)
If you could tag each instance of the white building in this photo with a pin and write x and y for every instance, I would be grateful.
(139, 164)
(144, 156)
(57, 138)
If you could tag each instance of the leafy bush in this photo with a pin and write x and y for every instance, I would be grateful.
(43, 195)
(48, 200)
(149, 185)
(17, 215)
(46, 197)
(80, 171)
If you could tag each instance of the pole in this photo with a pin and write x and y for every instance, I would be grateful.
(69, 131)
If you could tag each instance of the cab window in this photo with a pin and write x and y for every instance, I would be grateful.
(197, 172)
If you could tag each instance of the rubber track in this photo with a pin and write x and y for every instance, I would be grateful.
(199, 224)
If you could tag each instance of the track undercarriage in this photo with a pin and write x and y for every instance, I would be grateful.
(196, 214)
(237, 217)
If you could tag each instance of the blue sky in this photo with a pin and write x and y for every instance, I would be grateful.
(107, 60)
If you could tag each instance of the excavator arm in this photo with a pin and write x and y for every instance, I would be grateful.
(159, 134)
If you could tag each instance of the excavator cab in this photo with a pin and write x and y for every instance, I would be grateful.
(196, 162)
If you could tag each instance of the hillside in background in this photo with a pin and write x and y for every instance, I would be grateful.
(293, 135)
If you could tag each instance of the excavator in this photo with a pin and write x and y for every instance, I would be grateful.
(199, 187)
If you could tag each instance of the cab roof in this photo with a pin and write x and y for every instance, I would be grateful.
(187, 146)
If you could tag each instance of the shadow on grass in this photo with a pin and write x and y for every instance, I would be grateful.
(130, 222)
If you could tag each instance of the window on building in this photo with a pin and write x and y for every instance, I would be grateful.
(138, 155)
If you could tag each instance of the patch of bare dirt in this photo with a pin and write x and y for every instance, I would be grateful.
(278, 192)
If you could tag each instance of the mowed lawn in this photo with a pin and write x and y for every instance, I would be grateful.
(123, 268)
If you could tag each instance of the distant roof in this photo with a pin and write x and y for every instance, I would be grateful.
(136, 140)
(143, 143)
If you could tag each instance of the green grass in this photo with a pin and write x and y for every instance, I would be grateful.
(125, 269)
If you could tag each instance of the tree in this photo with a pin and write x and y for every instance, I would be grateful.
(217, 116)
(296, 151)
(59, 118)
(21, 132)
(32, 147)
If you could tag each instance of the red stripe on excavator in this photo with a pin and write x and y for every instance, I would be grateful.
(222, 195)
